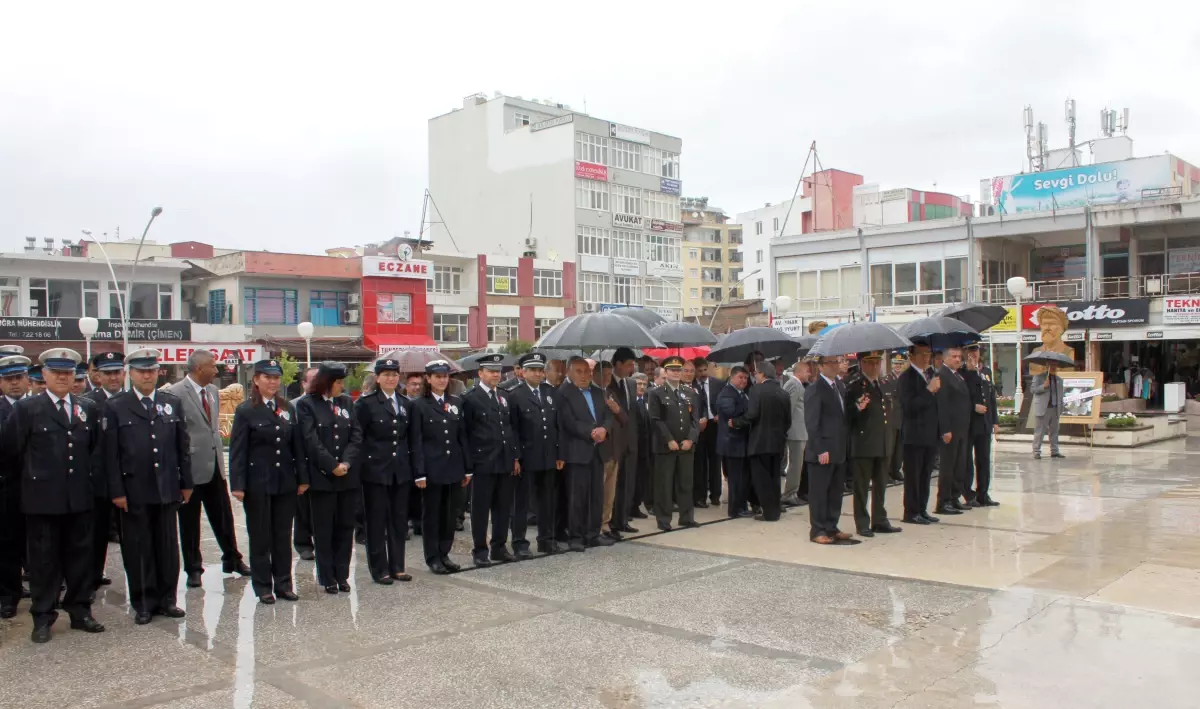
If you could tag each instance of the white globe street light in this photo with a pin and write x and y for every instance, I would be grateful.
(783, 304)
(88, 327)
(306, 331)
(1016, 286)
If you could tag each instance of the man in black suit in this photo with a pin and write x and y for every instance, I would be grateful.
(644, 488)
(983, 424)
(917, 390)
(769, 413)
(623, 392)
(828, 440)
(733, 439)
(584, 422)
(706, 464)
(14, 381)
(954, 422)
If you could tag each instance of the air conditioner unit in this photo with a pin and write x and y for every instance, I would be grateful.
(589, 307)
(351, 317)
(353, 299)
(531, 242)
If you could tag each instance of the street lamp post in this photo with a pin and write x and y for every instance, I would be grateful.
(306, 331)
(679, 290)
(87, 327)
(728, 293)
(1016, 286)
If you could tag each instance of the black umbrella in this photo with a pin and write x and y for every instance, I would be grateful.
(563, 354)
(806, 343)
(940, 332)
(684, 334)
(415, 360)
(645, 316)
(593, 331)
(858, 337)
(1047, 357)
(739, 344)
(607, 355)
(470, 363)
(979, 316)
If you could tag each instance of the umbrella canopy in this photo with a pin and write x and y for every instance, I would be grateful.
(739, 344)
(607, 355)
(1047, 357)
(858, 337)
(683, 334)
(593, 331)
(939, 332)
(979, 316)
(563, 354)
(688, 353)
(646, 317)
(470, 363)
(806, 342)
(415, 360)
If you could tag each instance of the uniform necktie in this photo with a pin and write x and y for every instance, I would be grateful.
(929, 375)
(537, 395)
(62, 408)
(147, 403)
(1053, 399)
(703, 398)
(271, 405)
(204, 402)
(392, 405)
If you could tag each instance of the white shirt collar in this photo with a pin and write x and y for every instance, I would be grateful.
(10, 399)
(141, 396)
(195, 385)
(831, 382)
(486, 389)
(54, 399)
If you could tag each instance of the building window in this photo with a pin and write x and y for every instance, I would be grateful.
(760, 286)
(925, 283)
(446, 279)
(591, 148)
(216, 307)
(149, 301)
(502, 329)
(626, 155)
(735, 236)
(591, 194)
(660, 247)
(547, 283)
(392, 308)
(592, 240)
(662, 163)
(693, 254)
(325, 307)
(662, 206)
(449, 328)
(758, 256)
(501, 280)
(695, 293)
(627, 290)
(266, 306)
(710, 255)
(775, 224)
(10, 296)
(62, 298)
(520, 120)
(758, 228)
(627, 200)
(693, 273)
(595, 288)
(662, 294)
(711, 275)
(881, 284)
(627, 244)
(542, 325)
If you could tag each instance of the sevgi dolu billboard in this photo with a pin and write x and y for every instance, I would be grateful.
(1106, 183)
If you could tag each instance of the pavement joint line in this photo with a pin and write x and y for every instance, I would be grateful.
(295, 687)
(150, 700)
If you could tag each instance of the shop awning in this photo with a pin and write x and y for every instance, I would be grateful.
(323, 348)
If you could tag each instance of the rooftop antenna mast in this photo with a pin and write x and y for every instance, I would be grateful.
(1109, 125)
(1037, 139)
(1069, 110)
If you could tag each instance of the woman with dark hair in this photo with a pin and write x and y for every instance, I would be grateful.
(440, 464)
(332, 438)
(267, 469)
(386, 473)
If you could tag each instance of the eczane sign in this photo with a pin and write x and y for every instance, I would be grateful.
(392, 267)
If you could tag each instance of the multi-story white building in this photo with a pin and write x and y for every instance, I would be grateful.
(530, 179)
(759, 226)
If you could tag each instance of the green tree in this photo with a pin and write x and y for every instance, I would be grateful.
(354, 377)
(518, 347)
(290, 368)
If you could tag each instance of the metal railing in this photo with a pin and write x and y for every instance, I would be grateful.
(1065, 289)
(1149, 286)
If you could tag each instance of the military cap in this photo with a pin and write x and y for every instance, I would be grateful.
(13, 364)
(875, 354)
(438, 366)
(532, 360)
(60, 358)
(268, 366)
(143, 358)
(105, 361)
(899, 359)
(673, 362)
(387, 364)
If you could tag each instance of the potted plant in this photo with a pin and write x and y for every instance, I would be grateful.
(1123, 420)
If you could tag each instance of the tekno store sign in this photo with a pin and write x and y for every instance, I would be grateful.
(67, 329)
(1181, 311)
(1096, 313)
(393, 267)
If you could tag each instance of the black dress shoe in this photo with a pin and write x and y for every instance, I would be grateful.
(946, 510)
(629, 530)
(142, 617)
(743, 513)
(614, 535)
(172, 611)
(438, 568)
(193, 579)
(502, 555)
(267, 600)
(40, 634)
(759, 518)
(383, 580)
(238, 568)
(87, 624)
(450, 564)
(480, 558)
(360, 538)
(551, 548)
(756, 509)
(915, 520)
(898, 477)
(886, 528)
(929, 518)
(1057, 455)
(401, 577)
(307, 554)
(8, 610)
(417, 530)
(522, 553)
(989, 502)
(287, 595)
(959, 506)
(664, 526)
(866, 533)
(104, 581)
(974, 503)
(459, 526)
(638, 514)
(692, 524)
(331, 589)
(702, 504)
(601, 541)
(343, 587)
(576, 547)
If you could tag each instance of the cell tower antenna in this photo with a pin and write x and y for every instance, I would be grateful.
(1070, 116)
(1033, 151)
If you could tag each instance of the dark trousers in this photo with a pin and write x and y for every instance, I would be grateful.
(563, 509)
(59, 547)
(386, 510)
(438, 511)
(895, 453)
(416, 500)
(545, 489)
(333, 533)
(269, 526)
(918, 467)
(870, 478)
(673, 478)
(585, 492)
(706, 466)
(303, 537)
(12, 542)
(103, 512)
(492, 494)
(623, 497)
(214, 496)
(981, 448)
(951, 467)
(643, 492)
(737, 472)
(765, 472)
(522, 499)
(803, 491)
(826, 485)
(150, 549)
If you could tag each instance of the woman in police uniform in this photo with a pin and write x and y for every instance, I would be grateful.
(440, 464)
(266, 471)
(386, 473)
(332, 438)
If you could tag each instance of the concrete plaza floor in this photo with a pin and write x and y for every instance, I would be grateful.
(1081, 590)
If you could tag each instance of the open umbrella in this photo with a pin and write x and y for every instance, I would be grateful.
(806, 342)
(858, 337)
(683, 334)
(979, 316)
(938, 331)
(645, 316)
(594, 331)
(415, 360)
(739, 344)
(607, 355)
(688, 353)
(1045, 357)
(563, 354)
(470, 363)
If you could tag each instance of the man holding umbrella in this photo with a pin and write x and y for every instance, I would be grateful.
(825, 417)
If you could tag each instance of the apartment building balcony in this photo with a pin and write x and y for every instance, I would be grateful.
(1149, 286)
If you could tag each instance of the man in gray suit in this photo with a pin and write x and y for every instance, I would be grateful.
(797, 433)
(201, 409)
(1047, 407)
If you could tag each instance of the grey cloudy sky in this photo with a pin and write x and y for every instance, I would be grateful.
(295, 127)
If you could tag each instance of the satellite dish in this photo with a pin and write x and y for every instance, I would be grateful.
(552, 254)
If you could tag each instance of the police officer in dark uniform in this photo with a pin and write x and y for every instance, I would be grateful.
(437, 439)
(147, 458)
(893, 415)
(111, 368)
(37, 383)
(672, 409)
(332, 439)
(14, 371)
(536, 422)
(493, 449)
(386, 472)
(52, 439)
(868, 428)
(267, 469)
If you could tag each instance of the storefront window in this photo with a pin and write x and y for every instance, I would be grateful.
(1055, 263)
(393, 308)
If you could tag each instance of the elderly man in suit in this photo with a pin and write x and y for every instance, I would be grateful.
(797, 433)
(1047, 408)
(954, 421)
(828, 441)
(584, 422)
(733, 439)
(200, 408)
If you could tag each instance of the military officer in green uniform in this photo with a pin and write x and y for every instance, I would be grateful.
(868, 462)
(673, 417)
(893, 416)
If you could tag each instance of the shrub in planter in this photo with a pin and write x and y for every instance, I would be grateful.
(1120, 421)
(1007, 420)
